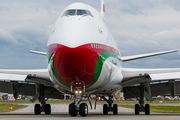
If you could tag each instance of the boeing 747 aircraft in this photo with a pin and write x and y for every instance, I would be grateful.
(84, 60)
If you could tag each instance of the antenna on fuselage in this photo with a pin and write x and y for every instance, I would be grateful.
(103, 9)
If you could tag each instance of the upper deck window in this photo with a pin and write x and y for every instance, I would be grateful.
(78, 12)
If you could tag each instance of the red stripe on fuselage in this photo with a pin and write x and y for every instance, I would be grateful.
(79, 61)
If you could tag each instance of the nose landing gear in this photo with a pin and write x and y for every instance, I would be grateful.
(78, 89)
(83, 110)
(76, 107)
(72, 109)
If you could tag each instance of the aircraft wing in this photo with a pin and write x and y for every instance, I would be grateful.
(151, 74)
(25, 82)
(37, 52)
(134, 57)
(40, 76)
(156, 81)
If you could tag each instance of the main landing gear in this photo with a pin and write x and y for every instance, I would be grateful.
(46, 108)
(140, 107)
(109, 107)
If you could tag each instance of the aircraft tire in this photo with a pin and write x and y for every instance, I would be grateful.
(83, 110)
(136, 109)
(37, 109)
(147, 109)
(105, 109)
(72, 110)
(47, 109)
(115, 109)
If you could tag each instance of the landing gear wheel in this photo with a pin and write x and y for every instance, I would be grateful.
(115, 109)
(47, 109)
(72, 110)
(37, 109)
(136, 109)
(105, 109)
(147, 109)
(83, 109)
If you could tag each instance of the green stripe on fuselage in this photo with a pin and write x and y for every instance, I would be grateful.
(50, 60)
(100, 61)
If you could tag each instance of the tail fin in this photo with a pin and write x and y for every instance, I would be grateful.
(102, 9)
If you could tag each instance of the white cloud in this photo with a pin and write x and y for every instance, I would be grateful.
(7, 38)
(146, 26)
(139, 26)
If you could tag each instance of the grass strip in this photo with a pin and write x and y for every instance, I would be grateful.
(158, 109)
(9, 107)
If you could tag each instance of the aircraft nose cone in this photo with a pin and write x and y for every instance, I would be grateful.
(72, 62)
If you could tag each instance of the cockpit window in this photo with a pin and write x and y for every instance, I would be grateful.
(81, 12)
(84, 12)
(78, 12)
(69, 13)
(89, 13)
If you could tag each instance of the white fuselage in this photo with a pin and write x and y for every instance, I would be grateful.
(91, 32)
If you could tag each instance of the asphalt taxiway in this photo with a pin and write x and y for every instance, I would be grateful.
(60, 112)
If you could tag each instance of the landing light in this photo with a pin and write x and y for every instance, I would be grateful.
(76, 92)
(80, 92)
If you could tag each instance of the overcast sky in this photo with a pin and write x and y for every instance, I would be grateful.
(139, 26)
